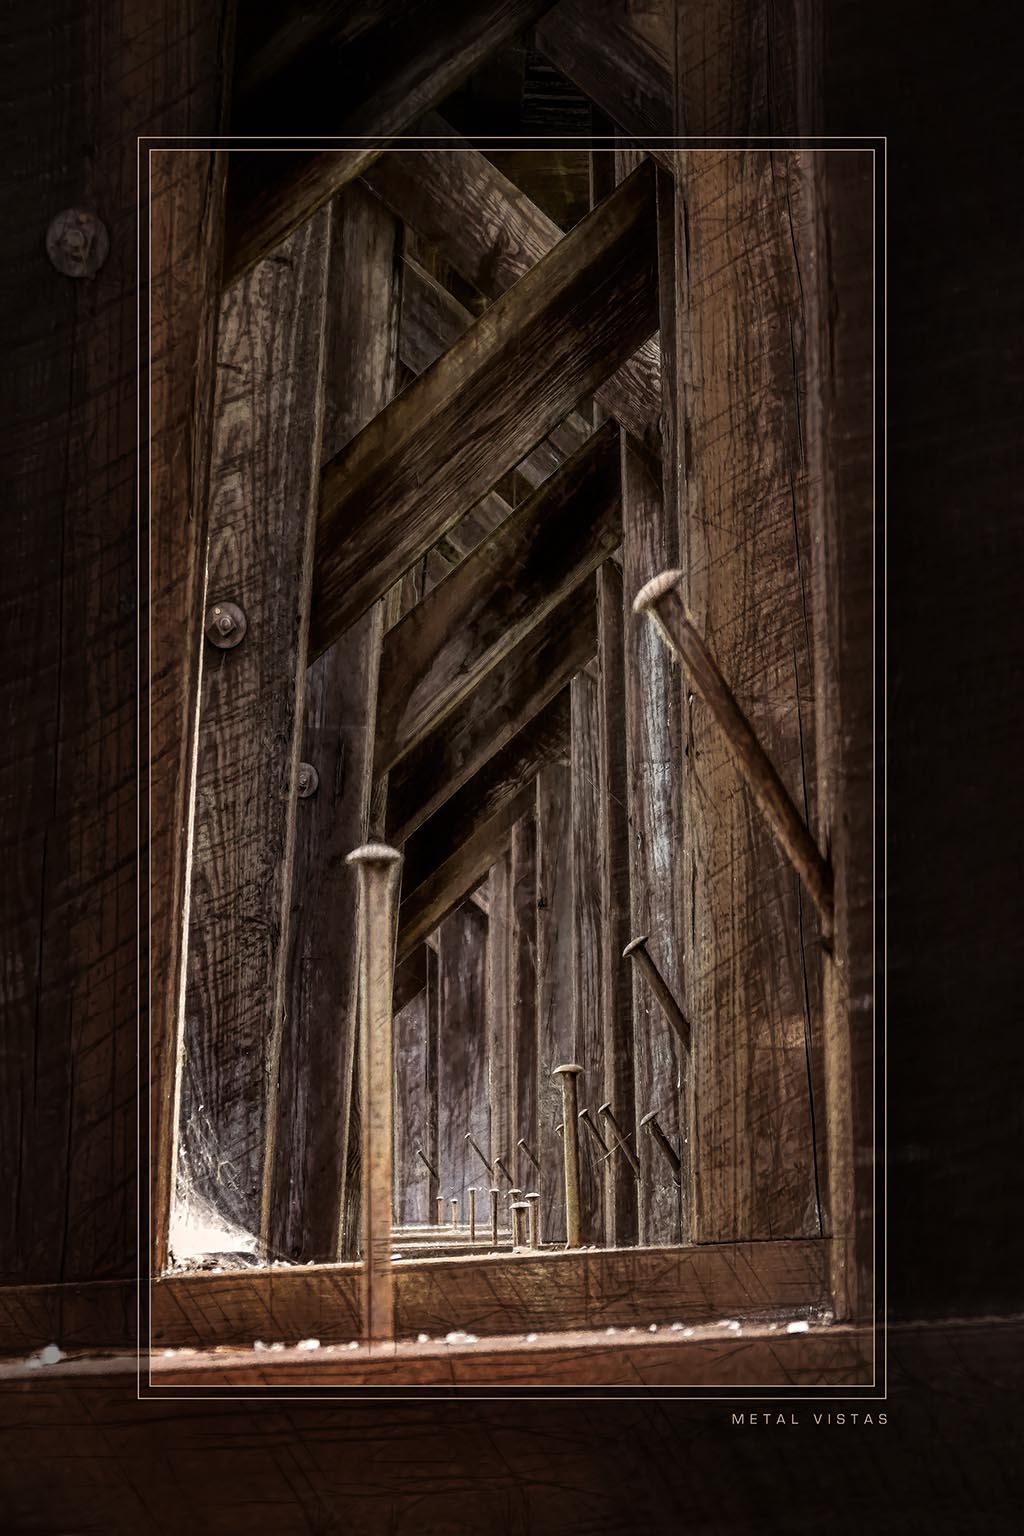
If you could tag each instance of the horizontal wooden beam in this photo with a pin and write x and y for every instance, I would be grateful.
(595, 1288)
(435, 656)
(426, 459)
(343, 78)
(492, 234)
(506, 700)
(446, 885)
(826, 1357)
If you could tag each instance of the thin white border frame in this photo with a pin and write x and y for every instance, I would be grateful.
(283, 143)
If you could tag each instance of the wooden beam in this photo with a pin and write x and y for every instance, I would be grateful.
(425, 460)
(266, 456)
(625, 68)
(497, 596)
(444, 887)
(432, 321)
(313, 1205)
(594, 1288)
(742, 433)
(492, 234)
(523, 992)
(556, 1040)
(501, 1020)
(498, 781)
(616, 974)
(410, 978)
(348, 80)
(462, 1094)
(414, 1195)
(587, 939)
(507, 699)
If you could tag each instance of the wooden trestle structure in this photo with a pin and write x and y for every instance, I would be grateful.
(415, 451)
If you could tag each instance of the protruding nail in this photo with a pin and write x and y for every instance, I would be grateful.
(638, 952)
(519, 1212)
(650, 1124)
(472, 1213)
(533, 1201)
(494, 1217)
(662, 600)
(502, 1169)
(585, 1119)
(605, 1111)
(476, 1148)
(455, 1211)
(521, 1143)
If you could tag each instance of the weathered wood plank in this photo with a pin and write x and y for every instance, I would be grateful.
(506, 700)
(341, 78)
(624, 67)
(445, 885)
(558, 1289)
(413, 1194)
(523, 993)
(432, 321)
(493, 235)
(462, 1093)
(266, 455)
(837, 1357)
(500, 1024)
(498, 781)
(654, 759)
(613, 831)
(410, 978)
(432, 454)
(434, 657)
(843, 607)
(556, 1039)
(752, 979)
(313, 1212)
(69, 601)
(587, 938)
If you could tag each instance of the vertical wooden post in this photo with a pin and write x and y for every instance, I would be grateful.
(314, 1207)
(617, 980)
(264, 495)
(554, 981)
(462, 1097)
(738, 453)
(587, 933)
(523, 998)
(654, 763)
(414, 1195)
(499, 1012)
(379, 872)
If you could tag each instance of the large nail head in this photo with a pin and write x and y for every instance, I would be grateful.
(77, 242)
(656, 589)
(634, 944)
(225, 625)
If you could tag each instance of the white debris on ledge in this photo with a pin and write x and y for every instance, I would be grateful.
(51, 1354)
(308, 1344)
(800, 1327)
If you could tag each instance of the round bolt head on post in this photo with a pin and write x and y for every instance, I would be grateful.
(77, 243)
(225, 625)
(309, 781)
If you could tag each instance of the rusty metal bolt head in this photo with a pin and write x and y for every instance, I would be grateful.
(634, 944)
(225, 625)
(309, 781)
(77, 243)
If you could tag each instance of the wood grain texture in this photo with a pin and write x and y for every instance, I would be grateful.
(70, 600)
(505, 702)
(462, 1089)
(616, 993)
(265, 463)
(488, 1295)
(437, 654)
(492, 234)
(432, 454)
(587, 938)
(414, 1196)
(624, 66)
(837, 1357)
(560, 1464)
(752, 979)
(500, 1024)
(491, 789)
(523, 991)
(386, 72)
(556, 1040)
(841, 353)
(432, 321)
(654, 762)
(445, 884)
(312, 1210)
